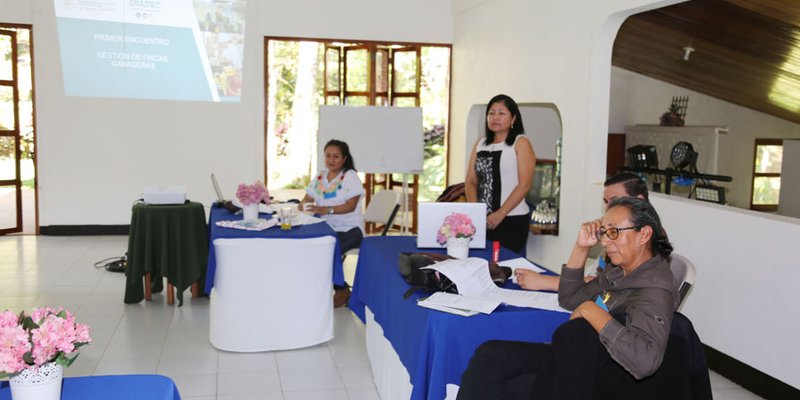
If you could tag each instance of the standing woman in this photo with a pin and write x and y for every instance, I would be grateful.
(335, 194)
(500, 173)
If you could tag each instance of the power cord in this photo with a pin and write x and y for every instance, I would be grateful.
(113, 264)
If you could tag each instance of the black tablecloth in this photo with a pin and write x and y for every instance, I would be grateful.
(166, 240)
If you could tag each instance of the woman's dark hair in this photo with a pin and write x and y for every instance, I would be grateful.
(516, 127)
(345, 150)
(634, 184)
(643, 214)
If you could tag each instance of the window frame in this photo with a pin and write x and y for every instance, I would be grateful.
(756, 174)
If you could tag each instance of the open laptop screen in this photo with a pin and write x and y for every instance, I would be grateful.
(220, 197)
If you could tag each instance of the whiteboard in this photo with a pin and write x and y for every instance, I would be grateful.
(381, 139)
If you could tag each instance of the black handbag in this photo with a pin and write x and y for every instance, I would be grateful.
(427, 280)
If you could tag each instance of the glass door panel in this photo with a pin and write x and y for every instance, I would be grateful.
(405, 65)
(8, 121)
(6, 63)
(10, 183)
(356, 63)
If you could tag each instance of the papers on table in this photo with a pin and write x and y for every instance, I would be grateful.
(457, 304)
(256, 225)
(479, 292)
(301, 218)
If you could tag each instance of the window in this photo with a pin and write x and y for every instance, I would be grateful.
(304, 74)
(766, 174)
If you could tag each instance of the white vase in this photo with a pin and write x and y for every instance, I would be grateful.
(43, 383)
(458, 247)
(250, 212)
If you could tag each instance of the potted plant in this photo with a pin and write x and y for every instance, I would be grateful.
(250, 196)
(36, 347)
(456, 232)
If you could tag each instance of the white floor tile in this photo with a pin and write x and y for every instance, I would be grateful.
(187, 366)
(363, 393)
(311, 379)
(357, 378)
(335, 394)
(249, 382)
(247, 362)
(196, 385)
(316, 357)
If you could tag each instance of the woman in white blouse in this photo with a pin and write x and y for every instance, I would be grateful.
(335, 194)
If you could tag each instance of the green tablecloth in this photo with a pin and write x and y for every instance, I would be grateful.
(166, 240)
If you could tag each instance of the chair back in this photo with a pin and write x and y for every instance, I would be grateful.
(683, 273)
(272, 294)
(383, 208)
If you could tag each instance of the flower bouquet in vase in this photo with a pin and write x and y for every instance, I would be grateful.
(456, 232)
(250, 196)
(34, 349)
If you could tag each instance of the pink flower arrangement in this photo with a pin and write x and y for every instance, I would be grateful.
(252, 194)
(44, 336)
(456, 225)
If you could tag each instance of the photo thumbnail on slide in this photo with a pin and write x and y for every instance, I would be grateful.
(152, 49)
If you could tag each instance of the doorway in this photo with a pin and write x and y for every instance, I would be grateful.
(17, 138)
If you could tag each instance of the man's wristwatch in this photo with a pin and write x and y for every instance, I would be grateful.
(330, 210)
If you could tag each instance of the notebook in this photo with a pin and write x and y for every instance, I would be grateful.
(431, 216)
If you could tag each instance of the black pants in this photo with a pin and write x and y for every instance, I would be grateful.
(512, 233)
(565, 369)
(577, 366)
(347, 241)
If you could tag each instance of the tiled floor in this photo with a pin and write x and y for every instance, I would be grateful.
(156, 338)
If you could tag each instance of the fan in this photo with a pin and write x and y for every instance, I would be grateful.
(684, 157)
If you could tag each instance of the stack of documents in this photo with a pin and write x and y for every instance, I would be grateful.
(478, 293)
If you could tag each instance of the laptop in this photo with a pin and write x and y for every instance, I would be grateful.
(220, 198)
(432, 215)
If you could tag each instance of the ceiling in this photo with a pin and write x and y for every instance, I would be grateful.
(746, 52)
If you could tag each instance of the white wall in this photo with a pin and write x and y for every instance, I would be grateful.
(637, 99)
(95, 155)
(543, 52)
(15, 11)
(744, 301)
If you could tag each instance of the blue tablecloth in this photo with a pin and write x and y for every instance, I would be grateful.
(112, 387)
(298, 232)
(435, 347)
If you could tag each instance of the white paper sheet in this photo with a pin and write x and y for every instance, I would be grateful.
(472, 279)
(520, 262)
(458, 303)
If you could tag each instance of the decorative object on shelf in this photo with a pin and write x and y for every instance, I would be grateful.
(36, 347)
(676, 115)
(456, 232)
(250, 196)
(544, 213)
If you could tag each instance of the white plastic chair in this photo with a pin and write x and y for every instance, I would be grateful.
(272, 294)
(683, 271)
(383, 208)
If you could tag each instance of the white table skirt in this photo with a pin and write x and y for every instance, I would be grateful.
(391, 377)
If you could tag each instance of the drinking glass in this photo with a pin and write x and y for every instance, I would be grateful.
(285, 218)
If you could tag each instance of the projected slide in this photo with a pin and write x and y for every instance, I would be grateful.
(152, 49)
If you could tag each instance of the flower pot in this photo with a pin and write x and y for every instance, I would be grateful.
(458, 247)
(250, 212)
(43, 383)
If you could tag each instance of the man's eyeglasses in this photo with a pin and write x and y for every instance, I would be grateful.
(612, 233)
